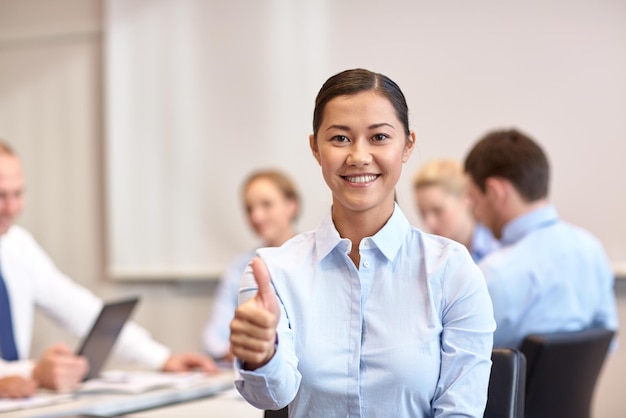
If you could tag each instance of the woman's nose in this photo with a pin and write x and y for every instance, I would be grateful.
(359, 155)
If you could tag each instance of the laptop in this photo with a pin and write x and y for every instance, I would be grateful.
(97, 346)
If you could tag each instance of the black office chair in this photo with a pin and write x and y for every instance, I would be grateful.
(507, 384)
(281, 413)
(562, 370)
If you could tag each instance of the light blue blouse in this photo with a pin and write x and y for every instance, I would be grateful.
(483, 242)
(407, 334)
(548, 276)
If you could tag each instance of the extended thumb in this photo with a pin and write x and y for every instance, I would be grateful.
(262, 278)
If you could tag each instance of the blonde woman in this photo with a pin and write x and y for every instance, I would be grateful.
(440, 190)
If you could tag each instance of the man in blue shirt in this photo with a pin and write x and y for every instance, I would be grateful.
(548, 276)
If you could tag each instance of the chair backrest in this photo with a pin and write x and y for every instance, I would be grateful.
(280, 413)
(507, 384)
(562, 370)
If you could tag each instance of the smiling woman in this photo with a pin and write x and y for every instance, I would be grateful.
(361, 145)
(385, 285)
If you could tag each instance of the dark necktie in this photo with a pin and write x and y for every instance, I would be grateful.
(7, 342)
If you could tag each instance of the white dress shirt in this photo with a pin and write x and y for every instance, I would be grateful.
(33, 281)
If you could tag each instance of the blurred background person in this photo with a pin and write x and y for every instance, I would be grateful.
(548, 275)
(272, 205)
(29, 281)
(440, 191)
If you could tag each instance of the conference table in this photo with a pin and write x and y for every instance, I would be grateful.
(224, 405)
(206, 396)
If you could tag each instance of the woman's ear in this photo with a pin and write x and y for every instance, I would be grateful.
(409, 144)
(466, 201)
(293, 210)
(314, 148)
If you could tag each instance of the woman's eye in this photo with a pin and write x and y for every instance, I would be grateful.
(340, 138)
(379, 137)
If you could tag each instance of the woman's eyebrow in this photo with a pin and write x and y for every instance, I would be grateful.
(378, 125)
(373, 126)
(340, 127)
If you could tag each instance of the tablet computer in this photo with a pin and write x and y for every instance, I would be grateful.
(97, 346)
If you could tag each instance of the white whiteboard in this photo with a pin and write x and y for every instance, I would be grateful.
(199, 93)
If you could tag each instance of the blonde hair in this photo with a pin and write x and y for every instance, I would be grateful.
(445, 173)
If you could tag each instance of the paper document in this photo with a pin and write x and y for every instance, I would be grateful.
(118, 381)
(40, 399)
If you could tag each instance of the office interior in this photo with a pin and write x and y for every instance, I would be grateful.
(53, 110)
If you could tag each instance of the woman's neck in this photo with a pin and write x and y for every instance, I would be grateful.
(466, 234)
(356, 225)
(281, 239)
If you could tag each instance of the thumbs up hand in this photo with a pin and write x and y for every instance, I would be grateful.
(265, 296)
(253, 329)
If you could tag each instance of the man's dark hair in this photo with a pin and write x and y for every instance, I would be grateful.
(511, 155)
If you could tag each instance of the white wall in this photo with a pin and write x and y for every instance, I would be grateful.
(51, 110)
(200, 93)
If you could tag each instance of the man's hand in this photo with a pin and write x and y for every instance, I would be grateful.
(17, 387)
(60, 369)
(253, 329)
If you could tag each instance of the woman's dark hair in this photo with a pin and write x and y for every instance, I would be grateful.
(350, 82)
(511, 155)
